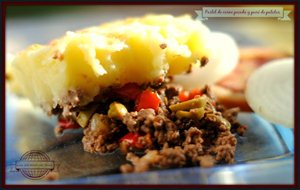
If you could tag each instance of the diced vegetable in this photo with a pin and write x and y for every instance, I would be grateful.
(190, 104)
(101, 123)
(197, 113)
(148, 99)
(225, 122)
(129, 91)
(195, 92)
(84, 116)
(183, 114)
(183, 96)
(67, 124)
(220, 120)
(117, 111)
(188, 95)
(132, 140)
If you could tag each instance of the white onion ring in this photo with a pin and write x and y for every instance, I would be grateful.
(224, 58)
(270, 92)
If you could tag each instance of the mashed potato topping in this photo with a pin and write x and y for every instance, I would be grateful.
(139, 50)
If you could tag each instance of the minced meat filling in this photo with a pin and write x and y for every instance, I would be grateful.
(171, 130)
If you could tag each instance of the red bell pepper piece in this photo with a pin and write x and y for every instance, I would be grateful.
(188, 95)
(183, 96)
(132, 139)
(147, 99)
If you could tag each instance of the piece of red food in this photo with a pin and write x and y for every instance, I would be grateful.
(184, 96)
(195, 92)
(147, 99)
(188, 95)
(129, 91)
(132, 139)
(67, 124)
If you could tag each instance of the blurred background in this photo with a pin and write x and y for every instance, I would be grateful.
(26, 25)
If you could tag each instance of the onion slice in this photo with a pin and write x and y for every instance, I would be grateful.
(270, 91)
(224, 59)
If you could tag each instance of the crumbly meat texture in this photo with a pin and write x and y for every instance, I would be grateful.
(167, 141)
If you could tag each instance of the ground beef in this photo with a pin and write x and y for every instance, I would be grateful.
(206, 161)
(93, 141)
(171, 157)
(172, 90)
(241, 129)
(165, 141)
(139, 121)
(96, 140)
(150, 159)
(193, 136)
(231, 115)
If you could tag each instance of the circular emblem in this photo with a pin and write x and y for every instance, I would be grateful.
(35, 164)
